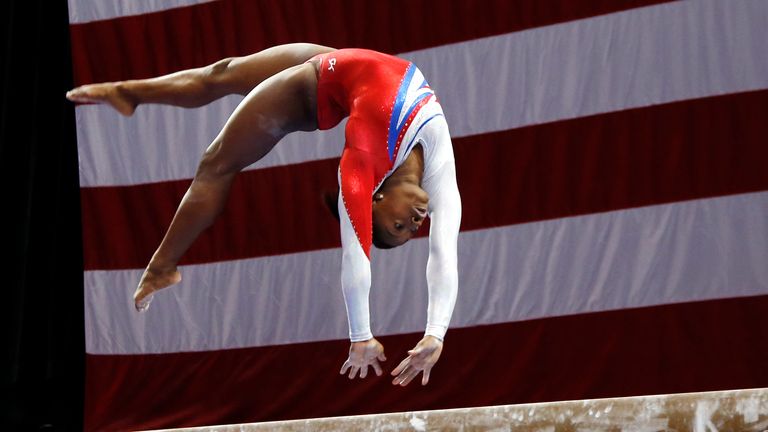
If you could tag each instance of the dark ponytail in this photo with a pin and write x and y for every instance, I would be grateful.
(331, 201)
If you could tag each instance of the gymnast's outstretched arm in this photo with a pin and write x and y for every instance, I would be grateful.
(199, 86)
(442, 275)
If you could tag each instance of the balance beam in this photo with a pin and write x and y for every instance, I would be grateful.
(737, 410)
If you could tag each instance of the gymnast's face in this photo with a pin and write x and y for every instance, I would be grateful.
(398, 212)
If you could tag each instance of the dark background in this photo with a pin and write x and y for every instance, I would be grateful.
(43, 372)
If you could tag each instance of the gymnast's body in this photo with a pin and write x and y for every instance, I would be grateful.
(396, 169)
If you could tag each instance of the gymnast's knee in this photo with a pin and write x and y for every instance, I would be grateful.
(216, 164)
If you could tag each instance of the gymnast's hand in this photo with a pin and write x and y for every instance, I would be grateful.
(420, 359)
(361, 355)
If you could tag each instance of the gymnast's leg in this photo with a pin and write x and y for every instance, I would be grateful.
(283, 103)
(200, 86)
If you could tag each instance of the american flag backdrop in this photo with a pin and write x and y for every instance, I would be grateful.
(612, 158)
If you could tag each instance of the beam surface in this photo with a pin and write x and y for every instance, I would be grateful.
(737, 410)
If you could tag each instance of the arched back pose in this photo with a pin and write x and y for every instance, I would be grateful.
(396, 168)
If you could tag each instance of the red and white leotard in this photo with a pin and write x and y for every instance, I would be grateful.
(391, 108)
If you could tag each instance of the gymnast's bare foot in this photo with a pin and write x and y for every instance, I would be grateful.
(152, 280)
(112, 94)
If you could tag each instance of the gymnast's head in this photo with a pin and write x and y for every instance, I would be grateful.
(399, 210)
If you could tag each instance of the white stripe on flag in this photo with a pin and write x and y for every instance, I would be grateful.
(681, 252)
(625, 60)
(83, 11)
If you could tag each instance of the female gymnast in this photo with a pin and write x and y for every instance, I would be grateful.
(396, 169)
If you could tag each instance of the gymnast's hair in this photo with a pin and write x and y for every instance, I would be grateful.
(331, 201)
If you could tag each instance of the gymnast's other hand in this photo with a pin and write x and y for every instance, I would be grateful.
(361, 355)
(109, 93)
(420, 359)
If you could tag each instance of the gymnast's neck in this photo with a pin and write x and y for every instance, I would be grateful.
(412, 169)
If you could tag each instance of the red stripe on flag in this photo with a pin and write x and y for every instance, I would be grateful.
(665, 153)
(665, 349)
(154, 44)
(270, 211)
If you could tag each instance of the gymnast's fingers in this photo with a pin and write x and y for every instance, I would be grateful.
(376, 367)
(344, 367)
(353, 372)
(403, 364)
(411, 375)
(425, 378)
(406, 377)
(399, 378)
(364, 371)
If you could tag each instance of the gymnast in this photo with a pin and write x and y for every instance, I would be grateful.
(396, 169)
